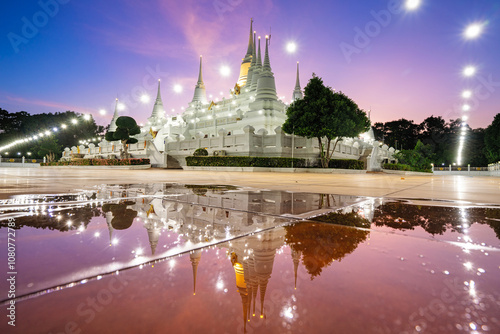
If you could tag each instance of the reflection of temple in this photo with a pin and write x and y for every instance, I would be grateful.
(207, 214)
(252, 259)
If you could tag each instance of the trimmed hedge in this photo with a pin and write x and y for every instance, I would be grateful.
(346, 164)
(407, 168)
(99, 162)
(227, 161)
(397, 167)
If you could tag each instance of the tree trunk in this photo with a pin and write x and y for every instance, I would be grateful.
(125, 150)
(321, 152)
(327, 155)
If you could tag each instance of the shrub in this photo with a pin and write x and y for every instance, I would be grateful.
(406, 168)
(419, 158)
(200, 152)
(397, 167)
(346, 164)
(225, 161)
(99, 162)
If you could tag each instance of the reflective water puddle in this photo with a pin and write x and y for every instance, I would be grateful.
(187, 258)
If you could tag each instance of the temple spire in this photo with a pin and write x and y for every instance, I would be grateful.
(253, 64)
(200, 93)
(259, 56)
(200, 75)
(266, 86)
(267, 63)
(297, 92)
(250, 41)
(112, 125)
(257, 70)
(245, 64)
(158, 110)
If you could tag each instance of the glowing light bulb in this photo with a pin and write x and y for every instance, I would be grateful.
(412, 4)
(177, 88)
(225, 71)
(466, 94)
(473, 30)
(291, 47)
(469, 71)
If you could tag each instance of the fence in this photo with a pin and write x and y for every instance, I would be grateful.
(461, 170)
(19, 162)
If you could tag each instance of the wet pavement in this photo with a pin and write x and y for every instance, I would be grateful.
(184, 258)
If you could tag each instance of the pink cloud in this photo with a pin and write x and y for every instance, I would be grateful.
(49, 104)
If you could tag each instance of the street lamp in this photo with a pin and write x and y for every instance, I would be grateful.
(473, 30)
(413, 4)
(291, 47)
(469, 71)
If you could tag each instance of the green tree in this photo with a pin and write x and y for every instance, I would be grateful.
(420, 158)
(125, 128)
(48, 147)
(21, 125)
(400, 132)
(325, 115)
(492, 140)
(474, 149)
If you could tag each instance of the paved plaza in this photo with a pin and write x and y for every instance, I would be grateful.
(483, 190)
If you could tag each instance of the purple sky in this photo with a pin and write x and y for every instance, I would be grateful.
(88, 53)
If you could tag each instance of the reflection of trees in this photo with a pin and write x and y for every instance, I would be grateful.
(58, 220)
(122, 217)
(493, 220)
(346, 219)
(321, 244)
(434, 219)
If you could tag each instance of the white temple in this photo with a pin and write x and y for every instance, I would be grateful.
(246, 124)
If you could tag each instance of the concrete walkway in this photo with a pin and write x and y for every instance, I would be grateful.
(484, 190)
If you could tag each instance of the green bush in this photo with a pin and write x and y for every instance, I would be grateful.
(407, 168)
(225, 161)
(200, 152)
(397, 167)
(99, 162)
(419, 158)
(346, 164)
